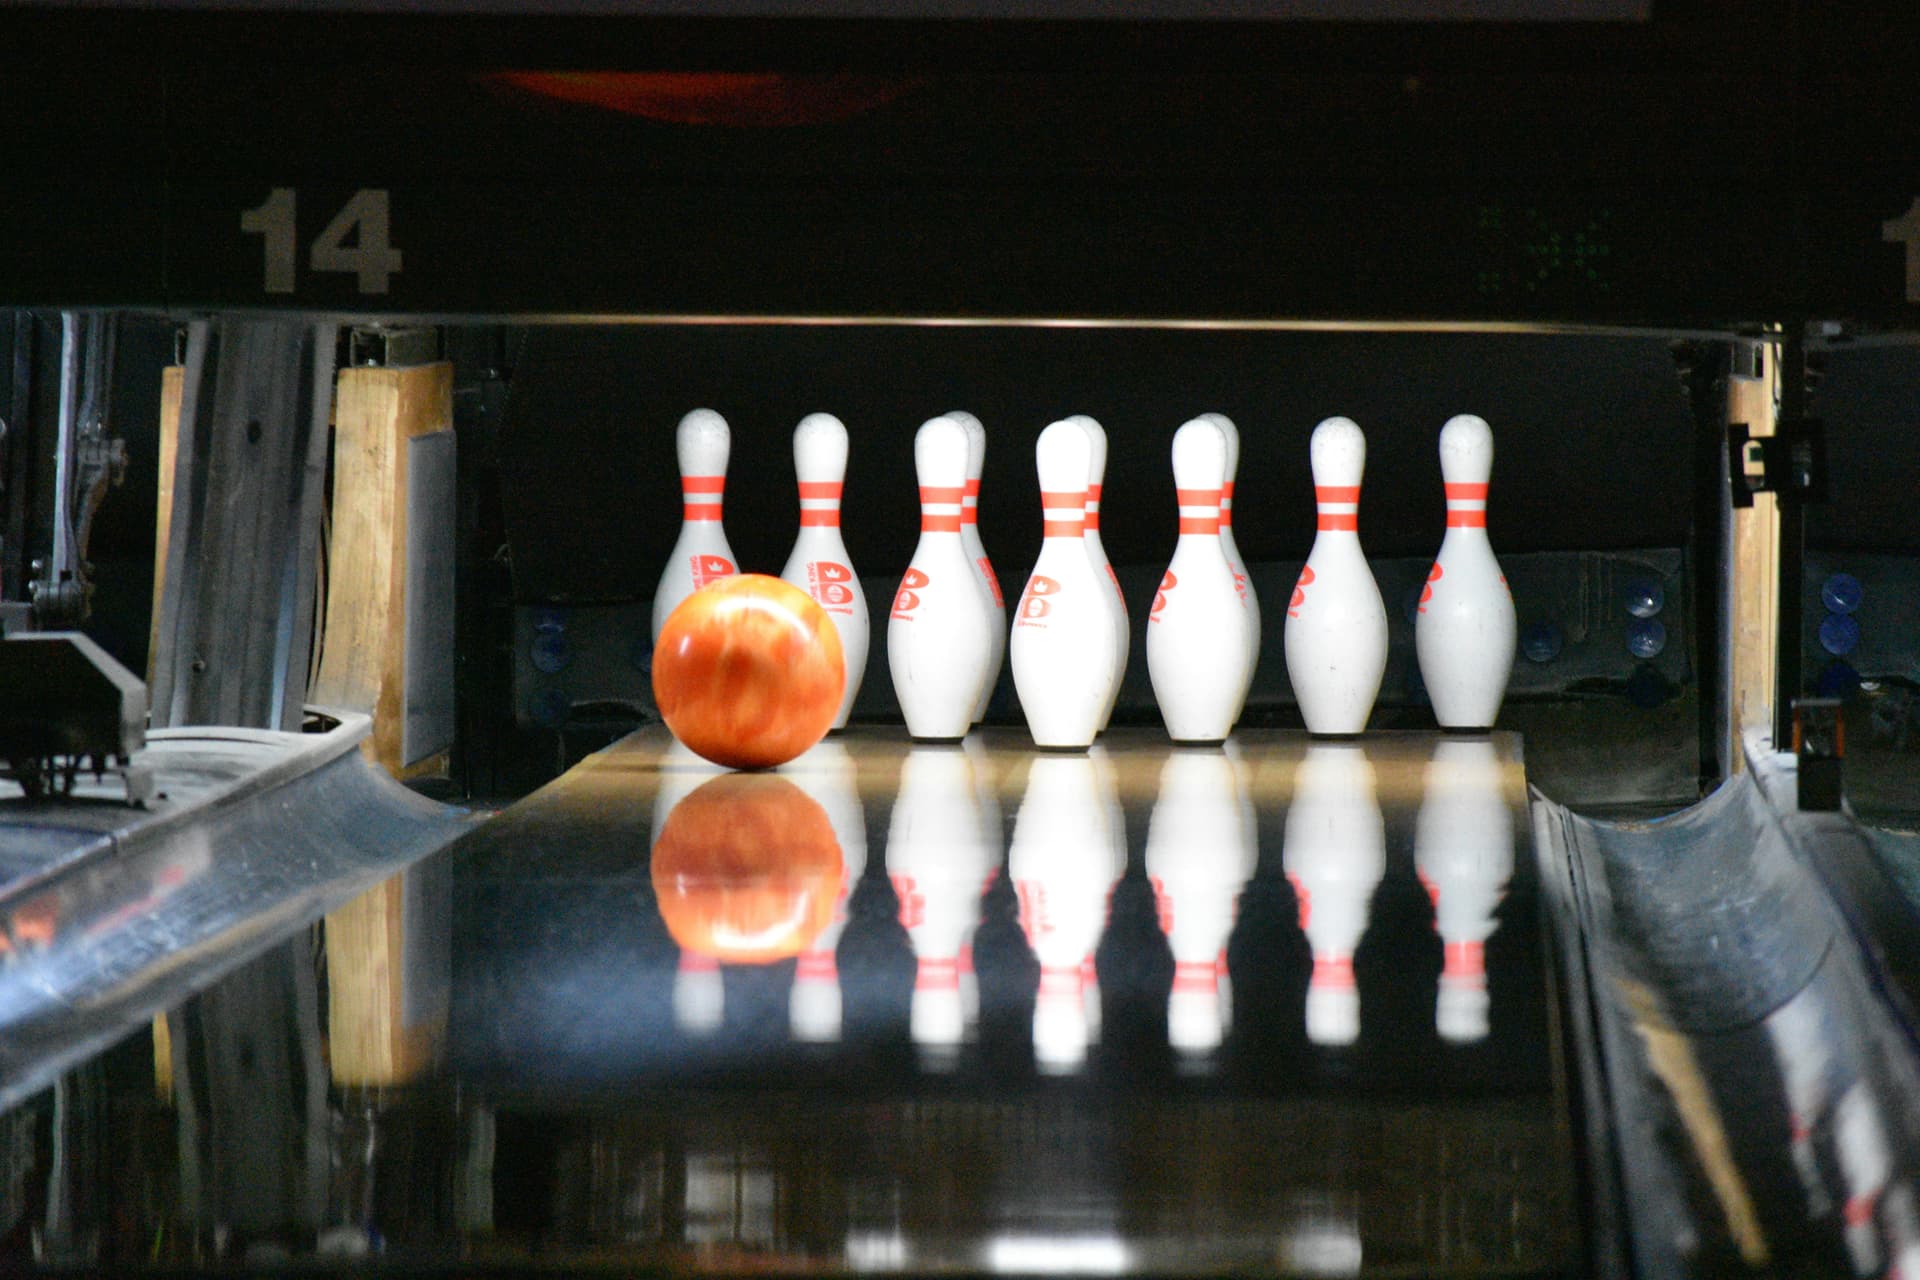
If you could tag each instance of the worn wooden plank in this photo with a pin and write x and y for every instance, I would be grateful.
(172, 378)
(1752, 573)
(386, 1002)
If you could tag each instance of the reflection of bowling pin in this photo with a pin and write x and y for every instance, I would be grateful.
(1062, 865)
(1336, 632)
(977, 553)
(1802, 1044)
(701, 553)
(939, 641)
(819, 564)
(937, 855)
(1463, 853)
(1866, 1162)
(1243, 582)
(1197, 634)
(1116, 603)
(699, 996)
(1464, 630)
(828, 774)
(987, 787)
(1198, 857)
(1335, 855)
(1063, 644)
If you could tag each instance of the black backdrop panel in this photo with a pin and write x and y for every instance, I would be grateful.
(1593, 437)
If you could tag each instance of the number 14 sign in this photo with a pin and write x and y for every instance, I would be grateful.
(357, 242)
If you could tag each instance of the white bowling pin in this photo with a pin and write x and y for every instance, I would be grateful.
(827, 773)
(1803, 1046)
(1197, 632)
(1116, 604)
(938, 855)
(1063, 642)
(1335, 856)
(1242, 581)
(1198, 857)
(939, 633)
(1336, 631)
(819, 564)
(1865, 1154)
(1463, 854)
(987, 787)
(977, 552)
(1061, 861)
(701, 554)
(1464, 630)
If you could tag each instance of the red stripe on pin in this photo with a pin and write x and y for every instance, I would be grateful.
(700, 511)
(820, 489)
(1199, 524)
(1347, 520)
(969, 515)
(1063, 528)
(702, 484)
(1063, 499)
(1466, 519)
(819, 518)
(973, 489)
(1336, 492)
(942, 493)
(1467, 492)
(1197, 497)
(1093, 519)
(940, 524)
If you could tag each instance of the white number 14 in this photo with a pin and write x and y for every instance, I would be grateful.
(371, 259)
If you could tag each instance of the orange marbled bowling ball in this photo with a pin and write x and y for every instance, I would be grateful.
(748, 671)
(746, 869)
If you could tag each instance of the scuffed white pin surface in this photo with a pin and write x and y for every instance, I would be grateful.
(1464, 630)
(819, 564)
(700, 554)
(1336, 630)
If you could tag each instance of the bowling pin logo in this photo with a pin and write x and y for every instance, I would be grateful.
(1035, 605)
(830, 585)
(1167, 583)
(700, 555)
(1464, 630)
(1300, 591)
(908, 598)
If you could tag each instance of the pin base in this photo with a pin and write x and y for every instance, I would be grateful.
(1198, 742)
(1337, 737)
(1063, 750)
(1467, 730)
(936, 742)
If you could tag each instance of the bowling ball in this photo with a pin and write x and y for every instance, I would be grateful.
(747, 671)
(747, 870)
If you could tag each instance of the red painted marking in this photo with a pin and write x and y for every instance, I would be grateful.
(913, 903)
(930, 523)
(937, 974)
(1349, 520)
(1195, 977)
(1063, 499)
(690, 485)
(1200, 524)
(1466, 493)
(711, 569)
(1436, 573)
(1336, 493)
(1859, 1210)
(1197, 497)
(700, 511)
(1093, 519)
(972, 489)
(1063, 529)
(1333, 971)
(1304, 898)
(695, 962)
(1466, 519)
(993, 584)
(943, 494)
(1466, 959)
(1167, 583)
(818, 518)
(817, 489)
(816, 966)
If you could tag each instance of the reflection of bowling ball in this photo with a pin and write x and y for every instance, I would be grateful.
(748, 672)
(747, 869)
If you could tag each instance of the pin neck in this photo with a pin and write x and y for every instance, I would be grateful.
(1199, 511)
(1339, 507)
(1467, 506)
(940, 508)
(1064, 513)
(700, 497)
(1093, 508)
(1226, 505)
(970, 503)
(820, 504)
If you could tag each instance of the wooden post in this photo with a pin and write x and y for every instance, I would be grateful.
(1752, 570)
(172, 380)
(387, 626)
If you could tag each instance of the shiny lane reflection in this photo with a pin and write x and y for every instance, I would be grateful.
(1200, 850)
(828, 774)
(1063, 863)
(1463, 852)
(1335, 856)
(939, 855)
(747, 870)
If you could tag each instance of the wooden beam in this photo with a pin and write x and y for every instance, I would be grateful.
(1752, 572)
(387, 978)
(172, 380)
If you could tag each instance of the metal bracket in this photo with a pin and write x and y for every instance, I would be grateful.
(1791, 463)
(384, 347)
